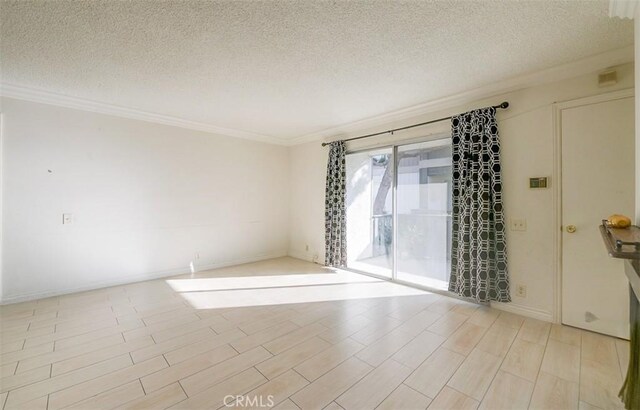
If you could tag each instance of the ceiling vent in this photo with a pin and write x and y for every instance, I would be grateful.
(607, 78)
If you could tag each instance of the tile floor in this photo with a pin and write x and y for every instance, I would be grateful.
(288, 334)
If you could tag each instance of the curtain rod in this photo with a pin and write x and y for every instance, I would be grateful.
(502, 105)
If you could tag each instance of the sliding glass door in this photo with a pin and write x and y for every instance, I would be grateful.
(424, 214)
(414, 193)
(369, 204)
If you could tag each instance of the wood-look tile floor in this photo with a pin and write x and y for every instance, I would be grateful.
(288, 334)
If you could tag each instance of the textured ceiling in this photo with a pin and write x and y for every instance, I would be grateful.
(287, 69)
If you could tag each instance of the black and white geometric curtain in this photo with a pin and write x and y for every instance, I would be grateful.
(335, 214)
(478, 254)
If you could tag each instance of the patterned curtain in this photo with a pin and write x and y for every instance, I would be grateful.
(335, 215)
(478, 254)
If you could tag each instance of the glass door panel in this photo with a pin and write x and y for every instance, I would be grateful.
(424, 208)
(369, 203)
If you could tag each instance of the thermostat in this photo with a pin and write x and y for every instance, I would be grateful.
(539, 182)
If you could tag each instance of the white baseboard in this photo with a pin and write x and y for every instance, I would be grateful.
(302, 255)
(507, 307)
(137, 278)
(241, 261)
(524, 311)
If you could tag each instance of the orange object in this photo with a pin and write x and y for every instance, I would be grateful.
(619, 221)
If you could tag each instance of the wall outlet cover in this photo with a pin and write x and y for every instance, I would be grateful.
(518, 224)
(67, 219)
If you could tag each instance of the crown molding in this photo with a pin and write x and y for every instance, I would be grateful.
(558, 73)
(47, 97)
(569, 70)
(625, 9)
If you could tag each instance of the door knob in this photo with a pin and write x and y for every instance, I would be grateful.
(571, 228)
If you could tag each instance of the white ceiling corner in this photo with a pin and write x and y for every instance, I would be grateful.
(288, 72)
(46, 97)
(570, 70)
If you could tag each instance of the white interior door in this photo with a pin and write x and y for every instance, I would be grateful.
(598, 180)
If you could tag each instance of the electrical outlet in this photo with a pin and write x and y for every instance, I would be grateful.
(67, 219)
(306, 247)
(518, 224)
(521, 291)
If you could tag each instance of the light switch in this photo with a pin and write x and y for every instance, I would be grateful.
(67, 219)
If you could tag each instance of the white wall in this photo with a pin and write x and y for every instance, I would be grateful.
(527, 136)
(145, 199)
(637, 73)
(307, 167)
(1, 193)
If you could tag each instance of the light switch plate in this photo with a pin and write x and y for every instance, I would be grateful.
(67, 219)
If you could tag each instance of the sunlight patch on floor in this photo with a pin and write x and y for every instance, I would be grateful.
(296, 294)
(272, 281)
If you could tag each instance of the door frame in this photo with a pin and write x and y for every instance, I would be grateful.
(557, 109)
